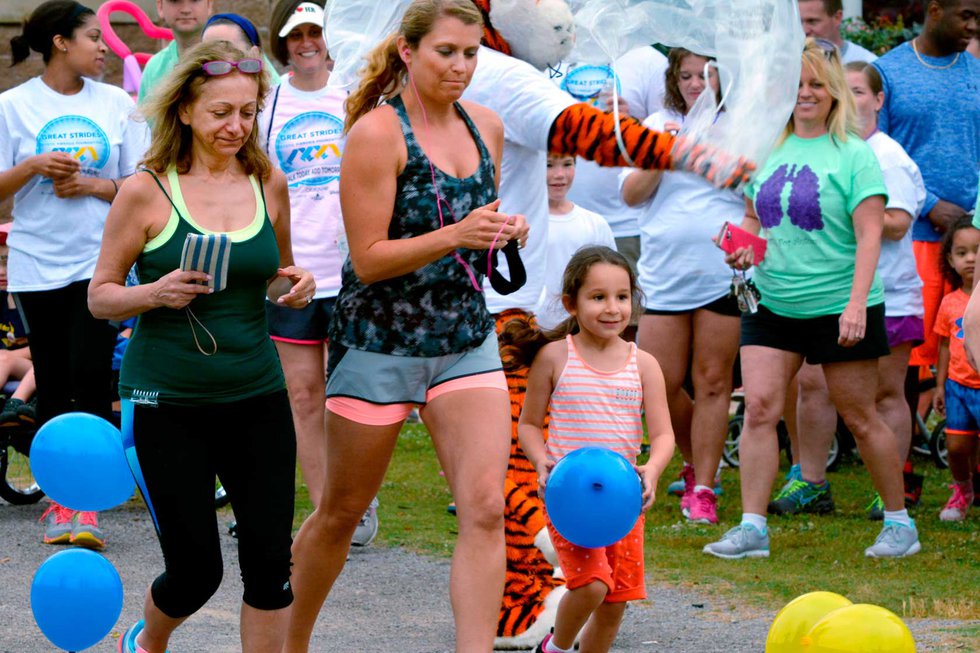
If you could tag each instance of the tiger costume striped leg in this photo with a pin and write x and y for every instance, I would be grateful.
(531, 592)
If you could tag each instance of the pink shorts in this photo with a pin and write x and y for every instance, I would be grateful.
(618, 566)
(380, 389)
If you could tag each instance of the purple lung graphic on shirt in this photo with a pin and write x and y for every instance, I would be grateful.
(804, 198)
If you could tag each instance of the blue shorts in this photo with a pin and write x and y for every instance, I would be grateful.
(962, 409)
(305, 326)
(379, 389)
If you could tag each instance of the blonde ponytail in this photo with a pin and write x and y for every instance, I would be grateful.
(382, 79)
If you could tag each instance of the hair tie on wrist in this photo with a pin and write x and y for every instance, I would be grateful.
(115, 189)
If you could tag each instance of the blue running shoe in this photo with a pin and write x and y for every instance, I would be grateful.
(794, 474)
(803, 496)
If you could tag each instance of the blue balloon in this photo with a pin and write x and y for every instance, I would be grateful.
(77, 598)
(78, 461)
(593, 497)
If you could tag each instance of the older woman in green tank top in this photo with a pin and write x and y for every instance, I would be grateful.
(207, 225)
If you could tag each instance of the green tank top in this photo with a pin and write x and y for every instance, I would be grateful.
(163, 362)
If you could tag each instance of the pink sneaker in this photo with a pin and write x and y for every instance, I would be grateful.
(958, 504)
(86, 532)
(703, 508)
(687, 477)
(58, 522)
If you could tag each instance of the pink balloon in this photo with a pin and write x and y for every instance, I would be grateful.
(112, 40)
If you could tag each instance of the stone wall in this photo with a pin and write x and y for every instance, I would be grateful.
(13, 12)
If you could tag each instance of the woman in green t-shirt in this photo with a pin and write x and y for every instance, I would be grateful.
(819, 202)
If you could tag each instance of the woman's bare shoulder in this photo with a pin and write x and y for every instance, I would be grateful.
(486, 119)
(377, 127)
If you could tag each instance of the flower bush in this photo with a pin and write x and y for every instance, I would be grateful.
(881, 35)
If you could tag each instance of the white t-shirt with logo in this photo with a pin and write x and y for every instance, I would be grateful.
(527, 103)
(55, 241)
(640, 82)
(304, 136)
(567, 233)
(680, 267)
(896, 264)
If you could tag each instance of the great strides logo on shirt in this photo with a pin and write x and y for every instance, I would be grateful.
(309, 149)
(79, 137)
(584, 83)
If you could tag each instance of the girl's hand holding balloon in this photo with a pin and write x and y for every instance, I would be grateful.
(649, 478)
(544, 470)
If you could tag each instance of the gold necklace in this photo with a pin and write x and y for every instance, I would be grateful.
(927, 65)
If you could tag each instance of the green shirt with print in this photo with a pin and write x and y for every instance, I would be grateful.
(805, 197)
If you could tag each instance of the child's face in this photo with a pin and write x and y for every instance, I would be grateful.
(561, 174)
(963, 255)
(604, 303)
(184, 17)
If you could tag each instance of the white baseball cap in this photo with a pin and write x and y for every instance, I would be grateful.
(306, 12)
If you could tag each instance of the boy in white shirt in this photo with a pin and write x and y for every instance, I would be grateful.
(570, 228)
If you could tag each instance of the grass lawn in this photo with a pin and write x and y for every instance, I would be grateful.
(808, 552)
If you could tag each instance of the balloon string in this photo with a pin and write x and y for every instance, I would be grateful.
(619, 131)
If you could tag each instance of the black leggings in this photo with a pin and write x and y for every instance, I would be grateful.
(71, 351)
(251, 446)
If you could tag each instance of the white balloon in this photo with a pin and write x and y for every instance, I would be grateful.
(352, 28)
(757, 44)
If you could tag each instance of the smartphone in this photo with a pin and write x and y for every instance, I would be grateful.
(732, 238)
(208, 253)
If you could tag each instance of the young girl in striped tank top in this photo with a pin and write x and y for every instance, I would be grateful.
(596, 386)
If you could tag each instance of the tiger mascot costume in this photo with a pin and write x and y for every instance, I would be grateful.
(521, 39)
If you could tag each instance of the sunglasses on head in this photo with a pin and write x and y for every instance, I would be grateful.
(247, 66)
(829, 48)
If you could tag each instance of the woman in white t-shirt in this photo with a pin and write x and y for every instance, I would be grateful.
(690, 321)
(903, 295)
(66, 142)
(301, 131)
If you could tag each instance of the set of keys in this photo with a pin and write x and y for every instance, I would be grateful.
(744, 292)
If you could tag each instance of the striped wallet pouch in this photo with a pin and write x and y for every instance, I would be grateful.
(207, 253)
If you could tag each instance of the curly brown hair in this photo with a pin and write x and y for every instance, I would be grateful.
(673, 99)
(946, 253)
(170, 146)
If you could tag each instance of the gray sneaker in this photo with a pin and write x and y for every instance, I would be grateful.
(367, 528)
(743, 541)
(58, 522)
(895, 541)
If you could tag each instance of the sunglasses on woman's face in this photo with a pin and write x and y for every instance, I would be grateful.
(829, 48)
(247, 66)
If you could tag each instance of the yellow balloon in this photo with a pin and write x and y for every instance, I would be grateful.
(797, 618)
(860, 628)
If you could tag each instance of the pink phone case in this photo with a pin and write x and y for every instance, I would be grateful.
(732, 238)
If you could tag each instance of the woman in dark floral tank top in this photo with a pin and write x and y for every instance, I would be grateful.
(411, 328)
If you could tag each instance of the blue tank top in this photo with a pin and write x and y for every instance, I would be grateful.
(435, 310)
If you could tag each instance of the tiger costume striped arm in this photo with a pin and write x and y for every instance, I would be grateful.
(582, 130)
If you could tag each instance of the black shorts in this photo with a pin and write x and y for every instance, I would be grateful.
(815, 338)
(724, 305)
(306, 326)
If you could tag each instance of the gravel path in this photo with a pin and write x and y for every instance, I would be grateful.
(386, 600)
